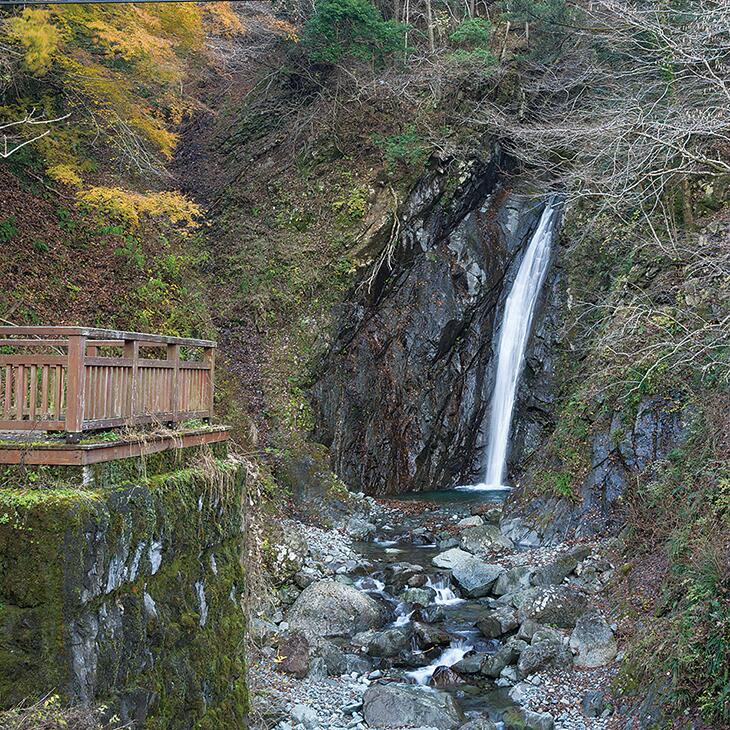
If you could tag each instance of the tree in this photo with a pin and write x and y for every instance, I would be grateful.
(351, 28)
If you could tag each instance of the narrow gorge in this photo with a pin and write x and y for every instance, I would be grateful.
(365, 365)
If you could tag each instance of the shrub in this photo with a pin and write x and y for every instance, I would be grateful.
(350, 28)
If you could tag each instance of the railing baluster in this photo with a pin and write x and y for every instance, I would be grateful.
(8, 391)
(75, 387)
(33, 392)
(44, 393)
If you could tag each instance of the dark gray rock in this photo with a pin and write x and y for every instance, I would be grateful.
(479, 724)
(295, 652)
(483, 540)
(545, 654)
(555, 605)
(512, 580)
(518, 718)
(498, 622)
(554, 573)
(592, 641)
(329, 609)
(401, 705)
(385, 643)
(404, 390)
(593, 703)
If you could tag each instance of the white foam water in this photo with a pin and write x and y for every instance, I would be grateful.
(445, 596)
(519, 309)
(455, 653)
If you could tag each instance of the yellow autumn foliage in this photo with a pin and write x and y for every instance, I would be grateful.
(65, 174)
(38, 36)
(127, 208)
(121, 67)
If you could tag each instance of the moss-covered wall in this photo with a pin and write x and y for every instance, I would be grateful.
(127, 595)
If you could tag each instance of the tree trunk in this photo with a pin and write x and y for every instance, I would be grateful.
(429, 21)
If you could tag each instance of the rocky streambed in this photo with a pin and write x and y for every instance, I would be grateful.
(428, 615)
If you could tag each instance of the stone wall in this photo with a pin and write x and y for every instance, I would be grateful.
(127, 595)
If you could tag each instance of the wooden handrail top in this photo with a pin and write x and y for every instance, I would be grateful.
(110, 338)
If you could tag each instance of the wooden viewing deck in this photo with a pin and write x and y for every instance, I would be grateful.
(77, 380)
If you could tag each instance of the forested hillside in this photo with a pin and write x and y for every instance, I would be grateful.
(341, 193)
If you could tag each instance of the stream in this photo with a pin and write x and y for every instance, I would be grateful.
(448, 614)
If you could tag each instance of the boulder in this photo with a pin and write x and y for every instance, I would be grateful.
(545, 654)
(493, 516)
(479, 724)
(474, 576)
(555, 573)
(498, 622)
(429, 635)
(518, 718)
(520, 533)
(470, 664)
(305, 716)
(592, 641)
(328, 609)
(418, 596)
(450, 557)
(445, 678)
(527, 629)
(386, 643)
(494, 664)
(402, 705)
(513, 580)
(555, 605)
(593, 703)
(473, 521)
(484, 540)
(295, 650)
(358, 528)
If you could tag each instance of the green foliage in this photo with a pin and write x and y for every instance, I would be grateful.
(472, 33)
(341, 29)
(407, 147)
(8, 230)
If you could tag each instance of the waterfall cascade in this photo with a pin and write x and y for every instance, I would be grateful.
(518, 313)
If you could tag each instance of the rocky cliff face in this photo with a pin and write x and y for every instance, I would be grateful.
(404, 390)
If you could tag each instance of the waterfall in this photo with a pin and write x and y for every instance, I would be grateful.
(518, 312)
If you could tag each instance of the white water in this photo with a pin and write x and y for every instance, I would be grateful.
(455, 653)
(518, 312)
(444, 595)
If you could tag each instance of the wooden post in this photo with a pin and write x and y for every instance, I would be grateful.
(131, 352)
(75, 388)
(173, 355)
(209, 359)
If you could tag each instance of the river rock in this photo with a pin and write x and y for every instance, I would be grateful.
(518, 718)
(328, 609)
(479, 724)
(473, 521)
(593, 702)
(520, 533)
(295, 650)
(358, 528)
(306, 716)
(545, 654)
(484, 540)
(386, 643)
(429, 635)
(499, 622)
(470, 664)
(445, 678)
(555, 605)
(513, 580)
(450, 557)
(474, 576)
(402, 705)
(554, 573)
(418, 596)
(592, 641)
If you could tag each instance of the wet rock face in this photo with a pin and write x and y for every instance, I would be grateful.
(404, 391)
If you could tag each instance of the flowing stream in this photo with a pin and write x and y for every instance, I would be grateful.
(518, 313)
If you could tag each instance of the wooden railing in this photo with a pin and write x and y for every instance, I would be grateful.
(77, 379)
